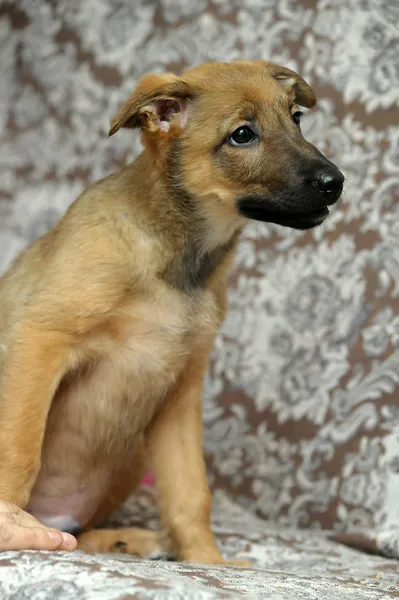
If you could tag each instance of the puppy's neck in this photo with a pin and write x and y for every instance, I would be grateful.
(197, 239)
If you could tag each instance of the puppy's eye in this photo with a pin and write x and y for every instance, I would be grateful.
(242, 136)
(296, 117)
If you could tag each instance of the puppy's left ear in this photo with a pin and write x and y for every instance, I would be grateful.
(157, 103)
(304, 95)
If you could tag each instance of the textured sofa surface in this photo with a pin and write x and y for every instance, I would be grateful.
(301, 407)
(288, 564)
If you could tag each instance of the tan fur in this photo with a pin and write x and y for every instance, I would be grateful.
(102, 353)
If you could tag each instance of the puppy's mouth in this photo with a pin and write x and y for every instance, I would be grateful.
(296, 219)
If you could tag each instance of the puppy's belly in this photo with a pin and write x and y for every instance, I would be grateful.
(90, 442)
(55, 506)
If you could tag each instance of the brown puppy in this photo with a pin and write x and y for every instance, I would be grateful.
(107, 321)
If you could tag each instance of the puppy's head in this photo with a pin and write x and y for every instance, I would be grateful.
(229, 134)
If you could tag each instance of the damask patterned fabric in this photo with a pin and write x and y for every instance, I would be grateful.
(301, 409)
(288, 564)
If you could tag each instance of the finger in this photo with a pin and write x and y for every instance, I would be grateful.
(19, 517)
(7, 507)
(17, 537)
(69, 542)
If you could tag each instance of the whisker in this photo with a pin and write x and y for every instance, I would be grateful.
(345, 194)
(351, 181)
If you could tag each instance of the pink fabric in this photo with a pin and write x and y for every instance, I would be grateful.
(148, 479)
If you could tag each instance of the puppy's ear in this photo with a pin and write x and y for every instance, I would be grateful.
(157, 102)
(304, 95)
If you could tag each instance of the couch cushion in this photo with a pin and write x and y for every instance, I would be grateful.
(288, 564)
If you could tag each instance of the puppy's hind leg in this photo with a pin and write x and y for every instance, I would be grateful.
(132, 540)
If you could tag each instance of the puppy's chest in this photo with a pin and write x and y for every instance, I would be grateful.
(150, 342)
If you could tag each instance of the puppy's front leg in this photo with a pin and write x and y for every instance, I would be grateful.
(175, 446)
(31, 373)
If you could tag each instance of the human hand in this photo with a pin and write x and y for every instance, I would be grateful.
(21, 531)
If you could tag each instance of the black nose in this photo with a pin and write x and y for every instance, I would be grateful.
(329, 182)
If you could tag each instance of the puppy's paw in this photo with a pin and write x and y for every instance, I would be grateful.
(139, 542)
